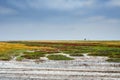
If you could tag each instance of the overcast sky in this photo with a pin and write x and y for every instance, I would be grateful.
(59, 19)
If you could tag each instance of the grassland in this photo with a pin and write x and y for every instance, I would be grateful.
(9, 50)
(109, 49)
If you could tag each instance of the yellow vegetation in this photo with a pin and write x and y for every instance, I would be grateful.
(6, 47)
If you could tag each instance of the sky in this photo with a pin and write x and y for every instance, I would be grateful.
(59, 19)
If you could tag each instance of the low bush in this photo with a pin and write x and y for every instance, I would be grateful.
(114, 60)
(58, 57)
(76, 54)
(20, 58)
(33, 55)
(5, 58)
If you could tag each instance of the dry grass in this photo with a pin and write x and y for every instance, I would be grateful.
(9, 50)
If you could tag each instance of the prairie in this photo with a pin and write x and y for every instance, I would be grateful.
(109, 49)
(60, 60)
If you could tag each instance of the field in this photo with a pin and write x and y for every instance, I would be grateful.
(9, 51)
(60, 60)
(110, 49)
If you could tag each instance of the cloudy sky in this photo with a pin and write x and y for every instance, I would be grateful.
(59, 19)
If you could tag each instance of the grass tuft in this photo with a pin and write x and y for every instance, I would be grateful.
(114, 60)
(76, 54)
(33, 55)
(58, 57)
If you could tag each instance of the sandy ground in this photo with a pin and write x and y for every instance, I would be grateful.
(82, 68)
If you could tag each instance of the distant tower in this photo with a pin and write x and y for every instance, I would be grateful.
(85, 39)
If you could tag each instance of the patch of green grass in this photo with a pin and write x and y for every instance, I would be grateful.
(80, 49)
(112, 53)
(5, 58)
(106, 51)
(115, 55)
(99, 54)
(114, 60)
(76, 54)
(33, 55)
(20, 58)
(58, 57)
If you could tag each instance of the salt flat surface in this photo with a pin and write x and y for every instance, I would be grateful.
(82, 68)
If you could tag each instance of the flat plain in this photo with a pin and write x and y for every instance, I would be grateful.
(60, 60)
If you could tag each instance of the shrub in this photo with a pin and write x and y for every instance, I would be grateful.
(58, 57)
(76, 54)
(20, 58)
(33, 55)
(5, 58)
(114, 60)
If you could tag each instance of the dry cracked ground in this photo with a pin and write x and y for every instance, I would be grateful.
(82, 68)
